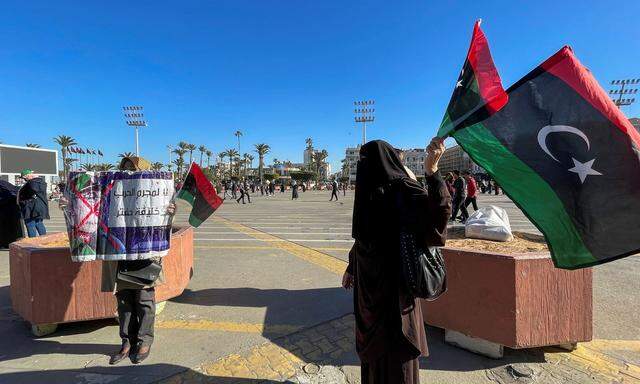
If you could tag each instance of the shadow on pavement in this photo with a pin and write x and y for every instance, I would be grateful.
(285, 309)
(140, 374)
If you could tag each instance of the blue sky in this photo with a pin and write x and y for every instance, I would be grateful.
(279, 71)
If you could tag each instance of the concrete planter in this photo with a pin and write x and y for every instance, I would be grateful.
(47, 288)
(513, 300)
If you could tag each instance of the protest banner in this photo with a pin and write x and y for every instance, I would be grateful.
(118, 215)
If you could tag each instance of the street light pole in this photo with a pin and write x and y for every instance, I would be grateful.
(364, 115)
(624, 91)
(134, 117)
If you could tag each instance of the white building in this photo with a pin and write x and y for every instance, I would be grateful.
(43, 162)
(414, 160)
(352, 155)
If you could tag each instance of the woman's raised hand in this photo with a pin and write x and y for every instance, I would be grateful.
(435, 149)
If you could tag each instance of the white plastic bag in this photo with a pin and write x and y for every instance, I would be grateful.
(489, 223)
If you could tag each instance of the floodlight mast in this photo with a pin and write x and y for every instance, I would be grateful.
(364, 114)
(134, 117)
(621, 96)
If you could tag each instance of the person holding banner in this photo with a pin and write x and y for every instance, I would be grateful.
(125, 273)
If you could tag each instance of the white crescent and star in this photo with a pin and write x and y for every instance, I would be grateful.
(582, 169)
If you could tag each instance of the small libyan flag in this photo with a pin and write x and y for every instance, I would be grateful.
(198, 191)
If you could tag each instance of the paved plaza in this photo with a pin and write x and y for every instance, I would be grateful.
(265, 305)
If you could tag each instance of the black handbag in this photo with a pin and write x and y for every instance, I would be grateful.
(139, 272)
(423, 271)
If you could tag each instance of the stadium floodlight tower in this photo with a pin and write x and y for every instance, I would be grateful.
(135, 118)
(627, 87)
(364, 115)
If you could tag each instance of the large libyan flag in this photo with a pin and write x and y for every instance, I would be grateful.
(564, 153)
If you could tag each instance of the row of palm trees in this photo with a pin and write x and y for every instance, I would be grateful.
(183, 148)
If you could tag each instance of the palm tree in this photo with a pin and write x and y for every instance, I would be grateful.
(250, 158)
(68, 162)
(87, 167)
(262, 150)
(179, 162)
(65, 142)
(180, 152)
(238, 134)
(232, 154)
(191, 148)
(247, 159)
(157, 166)
(104, 167)
(126, 154)
(209, 154)
(318, 160)
(202, 150)
(32, 145)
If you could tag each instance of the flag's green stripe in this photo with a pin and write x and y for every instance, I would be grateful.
(194, 220)
(531, 193)
(187, 196)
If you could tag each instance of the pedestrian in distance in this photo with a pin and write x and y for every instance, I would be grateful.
(390, 332)
(459, 196)
(344, 189)
(34, 205)
(243, 193)
(283, 187)
(294, 190)
(334, 190)
(472, 191)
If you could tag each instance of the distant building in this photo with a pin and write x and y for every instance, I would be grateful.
(352, 155)
(43, 162)
(307, 157)
(635, 121)
(456, 158)
(414, 160)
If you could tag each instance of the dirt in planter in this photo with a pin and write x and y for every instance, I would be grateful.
(522, 243)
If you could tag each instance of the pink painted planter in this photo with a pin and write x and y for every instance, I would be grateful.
(48, 288)
(517, 300)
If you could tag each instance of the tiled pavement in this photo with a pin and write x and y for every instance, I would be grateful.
(265, 306)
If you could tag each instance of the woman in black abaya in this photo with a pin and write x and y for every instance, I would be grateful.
(390, 334)
(10, 225)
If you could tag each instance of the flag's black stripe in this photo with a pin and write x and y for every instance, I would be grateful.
(465, 97)
(604, 208)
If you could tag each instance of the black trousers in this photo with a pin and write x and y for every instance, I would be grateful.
(458, 204)
(334, 193)
(137, 314)
(473, 201)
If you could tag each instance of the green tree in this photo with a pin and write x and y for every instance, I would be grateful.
(231, 154)
(237, 134)
(191, 148)
(303, 176)
(87, 167)
(180, 152)
(318, 160)
(65, 142)
(157, 166)
(202, 150)
(262, 149)
(126, 154)
(208, 153)
(32, 145)
(104, 167)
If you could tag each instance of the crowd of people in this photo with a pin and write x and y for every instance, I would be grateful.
(241, 191)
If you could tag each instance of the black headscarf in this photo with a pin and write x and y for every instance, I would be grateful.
(379, 166)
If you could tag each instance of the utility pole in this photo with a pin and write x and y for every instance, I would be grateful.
(623, 91)
(170, 149)
(135, 118)
(364, 115)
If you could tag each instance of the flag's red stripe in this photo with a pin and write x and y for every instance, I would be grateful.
(204, 186)
(565, 66)
(489, 83)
